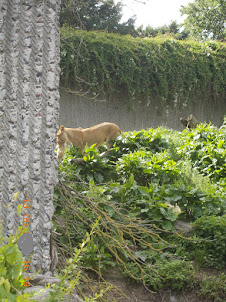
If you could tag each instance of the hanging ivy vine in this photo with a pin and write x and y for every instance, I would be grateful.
(142, 70)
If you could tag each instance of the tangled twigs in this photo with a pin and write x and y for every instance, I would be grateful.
(122, 236)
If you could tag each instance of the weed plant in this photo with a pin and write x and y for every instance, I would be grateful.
(11, 276)
(213, 289)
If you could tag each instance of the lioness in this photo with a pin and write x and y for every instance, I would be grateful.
(99, 134)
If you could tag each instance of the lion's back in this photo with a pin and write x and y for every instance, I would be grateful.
(100, 133)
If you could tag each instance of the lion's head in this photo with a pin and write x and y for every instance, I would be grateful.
(61, 136)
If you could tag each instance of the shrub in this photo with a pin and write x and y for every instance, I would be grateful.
(213, 289)
(211, 230)
(205, 147)
(174, 274)
(148, 168)
(94, 168)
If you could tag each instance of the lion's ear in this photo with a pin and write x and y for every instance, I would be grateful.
(62, 127)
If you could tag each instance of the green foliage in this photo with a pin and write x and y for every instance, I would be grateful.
(207, 249)
(141, 202)
(173, 274)
(151, 140)
(144, 71)
(72, 277)
(95, 15)
(172, 30)
(176, 274)
(194, 203)
(116, 235)
(94, 168)
(213, 228)
(148, 168)
(213, 289)
(11, 262)
(206, 148)
(150, 179)
(205, 19)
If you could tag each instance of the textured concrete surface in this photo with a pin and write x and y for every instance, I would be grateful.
(77, 111)
(29, 105)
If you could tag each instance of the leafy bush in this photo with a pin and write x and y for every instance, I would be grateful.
(11, 262)
(213, 289)
(140, 202)
(211, 230)
(151, 139)
(193, 200)
(148, 168)
(205, 147)
(174, 274)
(177, 274)
(94, 168)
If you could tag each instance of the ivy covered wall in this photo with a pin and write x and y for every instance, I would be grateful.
(160, 71)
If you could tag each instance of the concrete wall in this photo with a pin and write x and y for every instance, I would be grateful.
(83, 112)
(29, 105)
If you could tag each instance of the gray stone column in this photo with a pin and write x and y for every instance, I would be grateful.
(29, 101)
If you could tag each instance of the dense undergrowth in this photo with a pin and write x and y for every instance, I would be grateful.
(152, 179)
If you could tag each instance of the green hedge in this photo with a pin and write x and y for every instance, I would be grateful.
(142, 70)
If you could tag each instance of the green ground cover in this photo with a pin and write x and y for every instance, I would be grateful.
(152, 179)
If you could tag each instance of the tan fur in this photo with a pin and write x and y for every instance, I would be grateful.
(99, 134)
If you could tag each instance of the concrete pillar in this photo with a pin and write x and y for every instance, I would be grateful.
(29, 106)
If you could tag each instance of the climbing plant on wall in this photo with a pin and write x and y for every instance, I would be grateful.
(142, 70)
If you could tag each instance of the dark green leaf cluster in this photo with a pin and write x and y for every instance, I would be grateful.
(213, 248)
(206, 148)
(213, 288)
(142, 71)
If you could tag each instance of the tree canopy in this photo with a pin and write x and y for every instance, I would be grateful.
(173, 29)
(95, 15)
(206, 19)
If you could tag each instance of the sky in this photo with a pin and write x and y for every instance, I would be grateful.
(154, 13)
